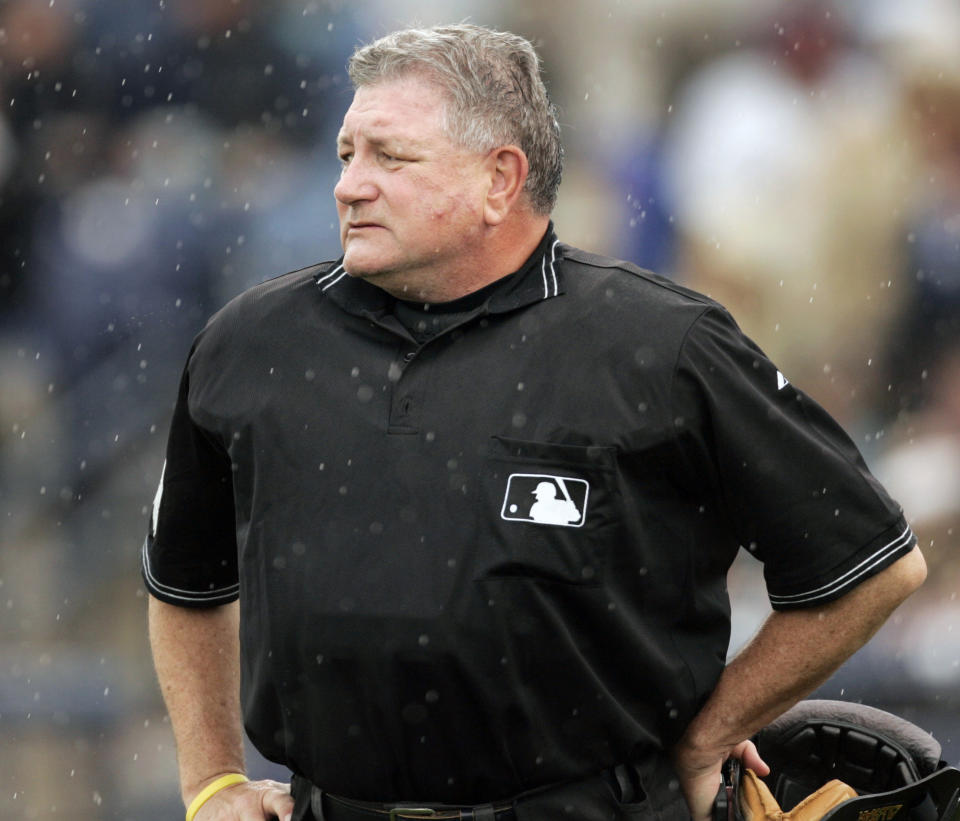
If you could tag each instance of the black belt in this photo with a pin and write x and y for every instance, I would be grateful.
(336, 808)
(621, 793)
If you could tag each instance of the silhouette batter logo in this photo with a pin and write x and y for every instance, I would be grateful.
(545, 499)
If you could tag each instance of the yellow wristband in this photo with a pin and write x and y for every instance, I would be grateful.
(211, 790)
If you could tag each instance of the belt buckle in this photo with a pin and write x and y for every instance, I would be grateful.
(398, 813)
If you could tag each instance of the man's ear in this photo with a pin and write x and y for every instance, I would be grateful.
(508, 168)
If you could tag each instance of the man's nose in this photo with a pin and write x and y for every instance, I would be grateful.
(355, 183)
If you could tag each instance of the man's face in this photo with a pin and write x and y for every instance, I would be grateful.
(410, 201)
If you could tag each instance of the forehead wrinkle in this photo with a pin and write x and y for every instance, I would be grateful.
(382, 131)
(407, 123)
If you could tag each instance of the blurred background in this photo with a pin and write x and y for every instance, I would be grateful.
(799, 161)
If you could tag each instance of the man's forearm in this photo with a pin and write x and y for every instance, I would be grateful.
(796, 651)
(196, 655)
(792, 654)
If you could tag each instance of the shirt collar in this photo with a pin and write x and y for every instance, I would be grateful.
(539, 278)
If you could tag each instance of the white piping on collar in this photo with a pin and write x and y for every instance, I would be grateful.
(550, 285)
(339, 269)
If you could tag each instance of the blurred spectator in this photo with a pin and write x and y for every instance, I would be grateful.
(35, 43)
(786, 186)
(923, 46)
(218, 57)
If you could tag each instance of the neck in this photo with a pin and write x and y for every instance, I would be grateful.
(498, 251)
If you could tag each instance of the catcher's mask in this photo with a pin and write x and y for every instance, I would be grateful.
(894, 767)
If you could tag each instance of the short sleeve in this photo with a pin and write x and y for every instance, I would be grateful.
(795, 489)
(190, 556)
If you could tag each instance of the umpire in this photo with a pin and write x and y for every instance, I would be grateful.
(448, 520)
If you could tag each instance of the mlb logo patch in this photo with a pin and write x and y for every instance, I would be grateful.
(545, 499)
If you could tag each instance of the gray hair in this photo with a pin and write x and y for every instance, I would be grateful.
(495, 94)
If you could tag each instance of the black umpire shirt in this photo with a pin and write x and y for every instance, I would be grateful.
(486, 550)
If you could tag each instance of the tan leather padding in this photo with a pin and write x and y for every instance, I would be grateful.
(758, 804)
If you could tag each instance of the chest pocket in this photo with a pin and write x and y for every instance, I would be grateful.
(547, 511)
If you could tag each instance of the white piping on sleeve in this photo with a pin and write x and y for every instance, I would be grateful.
(181, 594)
(851, 577)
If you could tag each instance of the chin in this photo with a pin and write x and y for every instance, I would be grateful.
(363, 265)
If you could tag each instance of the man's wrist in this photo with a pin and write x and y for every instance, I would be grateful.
(196, 774)
(701, 751)
(212, 787)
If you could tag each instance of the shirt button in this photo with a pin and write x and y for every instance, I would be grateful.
(409, 356)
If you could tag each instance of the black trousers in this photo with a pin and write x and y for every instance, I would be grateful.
(644, 792)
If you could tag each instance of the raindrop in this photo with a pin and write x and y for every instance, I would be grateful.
(414, 713)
